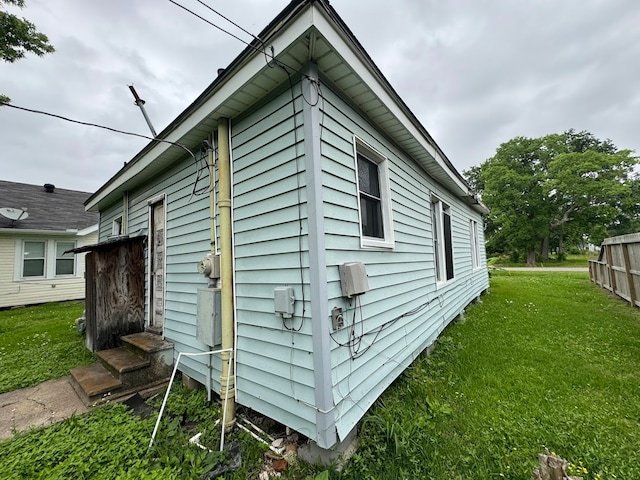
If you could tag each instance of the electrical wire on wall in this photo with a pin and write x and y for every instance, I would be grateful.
(354, 342)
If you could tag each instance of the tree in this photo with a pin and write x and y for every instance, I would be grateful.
(560, 186)
(18, 37)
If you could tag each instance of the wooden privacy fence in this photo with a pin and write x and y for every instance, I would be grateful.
(618, 267)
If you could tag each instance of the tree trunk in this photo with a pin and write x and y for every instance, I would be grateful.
(531, 258)
(544, 248)
(560, 243)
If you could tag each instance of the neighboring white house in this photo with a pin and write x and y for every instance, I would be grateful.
(38, 225)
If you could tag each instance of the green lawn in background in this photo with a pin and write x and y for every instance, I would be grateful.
(581, 260)
(40, 343)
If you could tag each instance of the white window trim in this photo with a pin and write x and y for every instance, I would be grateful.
(55, 259)
(50, 246)
(441, 264)
(363, 148)
(116, 226)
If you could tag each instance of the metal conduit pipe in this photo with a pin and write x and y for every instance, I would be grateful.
(227, 378)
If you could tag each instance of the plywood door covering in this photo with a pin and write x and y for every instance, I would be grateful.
(158, 243)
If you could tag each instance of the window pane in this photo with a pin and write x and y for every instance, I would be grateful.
(62, 247)
(368, 177)
(371, 217)
(33, 268)
(64, 266)
(34, 249)
(448, 246)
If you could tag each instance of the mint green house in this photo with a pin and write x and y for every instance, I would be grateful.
(354, 240)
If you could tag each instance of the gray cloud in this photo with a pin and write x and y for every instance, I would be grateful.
(475, 73)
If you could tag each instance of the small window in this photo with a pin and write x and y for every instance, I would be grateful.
(475, 245)
(65, 262)
(33, 259)
(442, 243)
(374, 199)
(116, 227)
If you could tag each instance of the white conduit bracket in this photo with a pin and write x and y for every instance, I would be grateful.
(166, 395)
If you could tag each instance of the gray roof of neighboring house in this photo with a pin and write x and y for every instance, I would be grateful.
(59, 210)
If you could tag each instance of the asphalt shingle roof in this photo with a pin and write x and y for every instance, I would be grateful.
(59, 210)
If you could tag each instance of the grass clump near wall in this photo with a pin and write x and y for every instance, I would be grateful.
(547, 360)
(40, 343)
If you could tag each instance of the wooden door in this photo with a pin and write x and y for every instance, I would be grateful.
(156, 265)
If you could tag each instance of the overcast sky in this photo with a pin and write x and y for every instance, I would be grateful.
(475, 73)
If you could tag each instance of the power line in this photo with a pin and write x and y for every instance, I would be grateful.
(272, 63)
(227, 19)
(88, 124)
(209, 22)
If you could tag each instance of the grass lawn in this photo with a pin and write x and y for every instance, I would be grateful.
(570, 261)
(547, 360)
(40, 343)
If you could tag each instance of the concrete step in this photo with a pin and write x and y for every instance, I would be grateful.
(146, 342)
(144, 360)
(122, 360)
(93, 381)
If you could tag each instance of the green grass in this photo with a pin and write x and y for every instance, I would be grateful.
(111, 443)
(571, 261)
(547, 360)
(40, 343)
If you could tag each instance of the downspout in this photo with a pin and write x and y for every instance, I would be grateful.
(211, 161)
(212, 226)
(227, 377)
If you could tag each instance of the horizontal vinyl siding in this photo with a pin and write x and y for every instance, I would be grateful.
(107, 216)
(32, 291)
(274, 365)
(400, 279)
(187, 242)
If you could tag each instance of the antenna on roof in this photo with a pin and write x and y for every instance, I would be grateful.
(140, 103)
(14, 214)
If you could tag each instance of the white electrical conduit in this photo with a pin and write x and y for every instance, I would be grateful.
(166, 395)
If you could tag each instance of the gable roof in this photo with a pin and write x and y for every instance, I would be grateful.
(57, 211)
(306, 30)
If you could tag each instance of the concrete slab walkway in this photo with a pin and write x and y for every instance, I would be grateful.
(50, 402)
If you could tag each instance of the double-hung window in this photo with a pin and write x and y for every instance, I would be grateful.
(442, 243)
(374, 198)
(65, 262)
(33, 262)
(46, 259)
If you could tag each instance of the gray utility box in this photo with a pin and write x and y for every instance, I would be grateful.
(353, 278)
(209, 316)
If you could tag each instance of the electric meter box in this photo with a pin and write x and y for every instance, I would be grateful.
(353, 277)
(209, 316)
(210, 266)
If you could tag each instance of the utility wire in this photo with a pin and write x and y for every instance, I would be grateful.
(271, 55)
(88, 124)
(227, 19)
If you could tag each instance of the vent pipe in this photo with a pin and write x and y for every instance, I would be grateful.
(49, 187)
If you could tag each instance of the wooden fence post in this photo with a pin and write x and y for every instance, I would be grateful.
(612, 273)
(627, 268)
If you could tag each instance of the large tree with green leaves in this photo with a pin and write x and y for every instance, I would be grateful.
(18, 36)
(561, 186)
